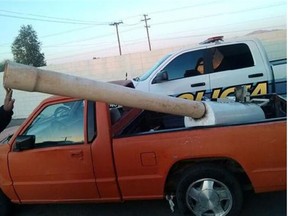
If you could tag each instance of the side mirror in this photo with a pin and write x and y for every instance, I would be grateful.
(162, 76)
(24, 142)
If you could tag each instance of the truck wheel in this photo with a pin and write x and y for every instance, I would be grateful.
(209, 190)
(5, 205)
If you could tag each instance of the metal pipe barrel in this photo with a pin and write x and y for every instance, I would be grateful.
(28, 78)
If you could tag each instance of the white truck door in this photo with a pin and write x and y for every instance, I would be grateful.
(235, 65)
(184, 75)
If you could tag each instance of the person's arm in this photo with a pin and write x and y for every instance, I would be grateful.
(5, 118)
(6, 111)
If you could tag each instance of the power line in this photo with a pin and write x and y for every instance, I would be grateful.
(161, 23)
(89, 39)
(56, 34)
(83, 22)
(185, 7)
(218, 14)
(53, 21)
(49, 17)
(181, 37)
(65, 32)
(222, 32)
(105, 35)
(89, 23)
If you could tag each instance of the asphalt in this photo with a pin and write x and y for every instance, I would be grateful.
(266, 204)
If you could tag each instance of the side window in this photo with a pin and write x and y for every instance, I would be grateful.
(59, 124)
(186, 65)
(116, 112)
(231, 57)
(91, 121)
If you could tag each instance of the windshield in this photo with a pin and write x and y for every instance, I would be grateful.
(60, 123)
(150, 71)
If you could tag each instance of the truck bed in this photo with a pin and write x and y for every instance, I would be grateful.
(274, 107)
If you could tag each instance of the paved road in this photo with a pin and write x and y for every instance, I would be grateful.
(268, 204)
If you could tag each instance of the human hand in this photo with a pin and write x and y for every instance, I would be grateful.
(8, 101)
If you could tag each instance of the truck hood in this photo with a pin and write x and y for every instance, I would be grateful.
(135, 83)
(126, 83)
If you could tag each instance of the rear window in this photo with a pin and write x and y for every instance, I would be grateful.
(231, 57)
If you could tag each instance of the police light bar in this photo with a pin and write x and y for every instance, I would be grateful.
(213, 40)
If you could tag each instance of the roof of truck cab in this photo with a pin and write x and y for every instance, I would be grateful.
(217, 43)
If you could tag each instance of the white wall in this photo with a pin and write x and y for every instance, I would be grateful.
(135, 64)
(115, 68)
(112, 68)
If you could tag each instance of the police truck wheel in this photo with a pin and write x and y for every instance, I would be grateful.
(209, 190)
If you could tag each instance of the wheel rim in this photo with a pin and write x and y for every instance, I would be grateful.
(209, 197)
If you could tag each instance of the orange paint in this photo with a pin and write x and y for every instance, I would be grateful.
(112, 168)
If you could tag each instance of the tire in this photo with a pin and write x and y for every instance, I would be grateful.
(209, 190)
(5, 205)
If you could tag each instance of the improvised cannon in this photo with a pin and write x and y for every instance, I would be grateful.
(27, 78)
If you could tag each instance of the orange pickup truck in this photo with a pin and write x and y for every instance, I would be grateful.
(72, 150)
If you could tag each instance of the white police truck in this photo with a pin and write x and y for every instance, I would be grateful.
(213, 69)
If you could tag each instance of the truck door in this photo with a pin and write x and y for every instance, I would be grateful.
(234, 65)
(186, 75)
(59, 166)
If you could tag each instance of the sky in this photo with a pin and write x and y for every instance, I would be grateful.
(74, 30)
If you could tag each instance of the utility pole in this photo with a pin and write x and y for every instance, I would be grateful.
(116, 24)
(146, 26)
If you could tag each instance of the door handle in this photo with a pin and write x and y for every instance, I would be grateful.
(77, 154)
(198, 84)
(255, 75)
